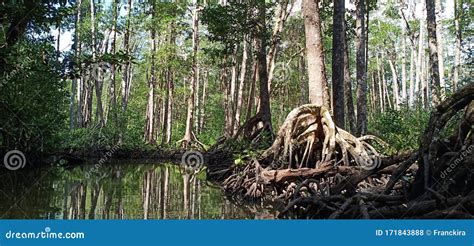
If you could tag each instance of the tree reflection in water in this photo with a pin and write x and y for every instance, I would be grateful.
(115, 191)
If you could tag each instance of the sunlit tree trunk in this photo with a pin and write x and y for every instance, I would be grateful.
(317, 82)
(396, 96)
(412, 75)
(433, 51)
(202, 112)
(419, 63)
(380, 86)
(194, 77)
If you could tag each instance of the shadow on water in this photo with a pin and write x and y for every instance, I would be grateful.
(114, 191)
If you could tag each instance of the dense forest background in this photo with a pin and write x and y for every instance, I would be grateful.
(147, 75)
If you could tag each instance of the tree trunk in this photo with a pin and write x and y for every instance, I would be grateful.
(361, 72)
(194, 77)
(338, 47)
(96, 69)
(202, 114)
(282, 16)
(315, 55)
(243, 70)
(412, 76)
(302, 79)
(439, 39)
(251, 98)
(396, 97)
(76, 46)
(150, 109)
(350, 112)
(419, 63)
(380, 82)
(433, 49)
(457, 55)
(230, 107)
(264, 98)
(169, 91)
(404, 64)
(127, 66)
(112, 89)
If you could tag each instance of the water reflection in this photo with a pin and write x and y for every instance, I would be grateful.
(115, 191)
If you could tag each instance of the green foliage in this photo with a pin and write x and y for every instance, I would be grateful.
(33, 98)
(400, 129)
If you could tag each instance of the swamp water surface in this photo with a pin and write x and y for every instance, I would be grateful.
(114, 191)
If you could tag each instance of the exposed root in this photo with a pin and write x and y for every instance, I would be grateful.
(308, 145)
(321, 171)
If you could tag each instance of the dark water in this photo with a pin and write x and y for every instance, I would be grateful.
(114, 191)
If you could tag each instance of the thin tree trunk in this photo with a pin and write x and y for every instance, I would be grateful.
(317, 82)
(112, 89)
(439, 39)
(203, 101)
(433, 49)
(169, 90)
(302, 79)
(264, 98)
(96, 73)
(77, 44)
(350, 112)
(419, 62)
(194, 77)
(361, 71)
(457, 55)
(282, 16)
(243, 70)
(404, 64)
(229, 123)
(396, 96)
(150, 110)
(251, 98)
(412, 76)
(338, 48)
(127, 66)
(380, 82)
